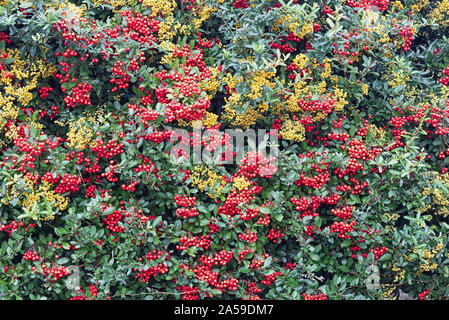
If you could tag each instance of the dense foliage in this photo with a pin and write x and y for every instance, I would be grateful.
(93, 191)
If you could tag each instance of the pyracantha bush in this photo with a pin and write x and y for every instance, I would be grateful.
(103, 101)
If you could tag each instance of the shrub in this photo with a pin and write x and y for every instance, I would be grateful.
(119, 177)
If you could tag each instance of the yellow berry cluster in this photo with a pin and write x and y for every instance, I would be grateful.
(80, 135)
(388, 291)
(241, 183)
(203, 13)
(327, 68)
(365, 89)
(398, 5)
(377, 133)
(210, 85)
(292, 130)
(258, 81)
(247, 119)
(16, 90)
(427, 255)
(441, 13)
(391, 217)
(340, 97)
(210, 119)
(299, 25)
(417, 7)
(31, 194)
(165, 7)
(399, 273)
(301, 60)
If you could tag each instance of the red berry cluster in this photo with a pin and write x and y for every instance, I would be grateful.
(109, 150)
(93, 293)
(244, 252)
(250, 213)
(327, 10)
(130, 187)
(317, 181)
(189, 292)
(221, 258)
(80, 95)
(68, 183)
(256, 164)
(240, 4)
(110, 171)
(199, 242)
(121, 77)
(213, 227)
(270, 278)
(445, 80)
(9, 228)
(230, 284)
(111, 221)
(382, 5)
(235, 199)
(144, 275)
(406, 34)
(4, 37)
(274, 235)
(289, 265)
(342, 228)
(311, 105)
(156, 254)
(139, 27)
(55, 272)
(253, 288)
(423, 294)
(343, 213)
(186, 202)
(378, 252)
(264, 221)
(256, 264)
(44, 92)
(248, 237)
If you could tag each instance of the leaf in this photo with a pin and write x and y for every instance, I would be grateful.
(318, 221)
(343, 268)
(109, 210)
(386, 256)
(355, 198)
(315, 257)
(265, 210)
(267, 262)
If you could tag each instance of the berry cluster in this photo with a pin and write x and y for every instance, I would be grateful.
(342, 228)
(80, 95)
(343, 213)
(55, 272)
(422, 295)
(256, 264)
(189, 292)
(320, 296)
(222, 258)
(199, 242)
(274, 235)
(270, 278)
(248, 237)
(68, 183)
(31, 256)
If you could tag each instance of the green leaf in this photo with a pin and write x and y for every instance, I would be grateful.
(315, 257)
